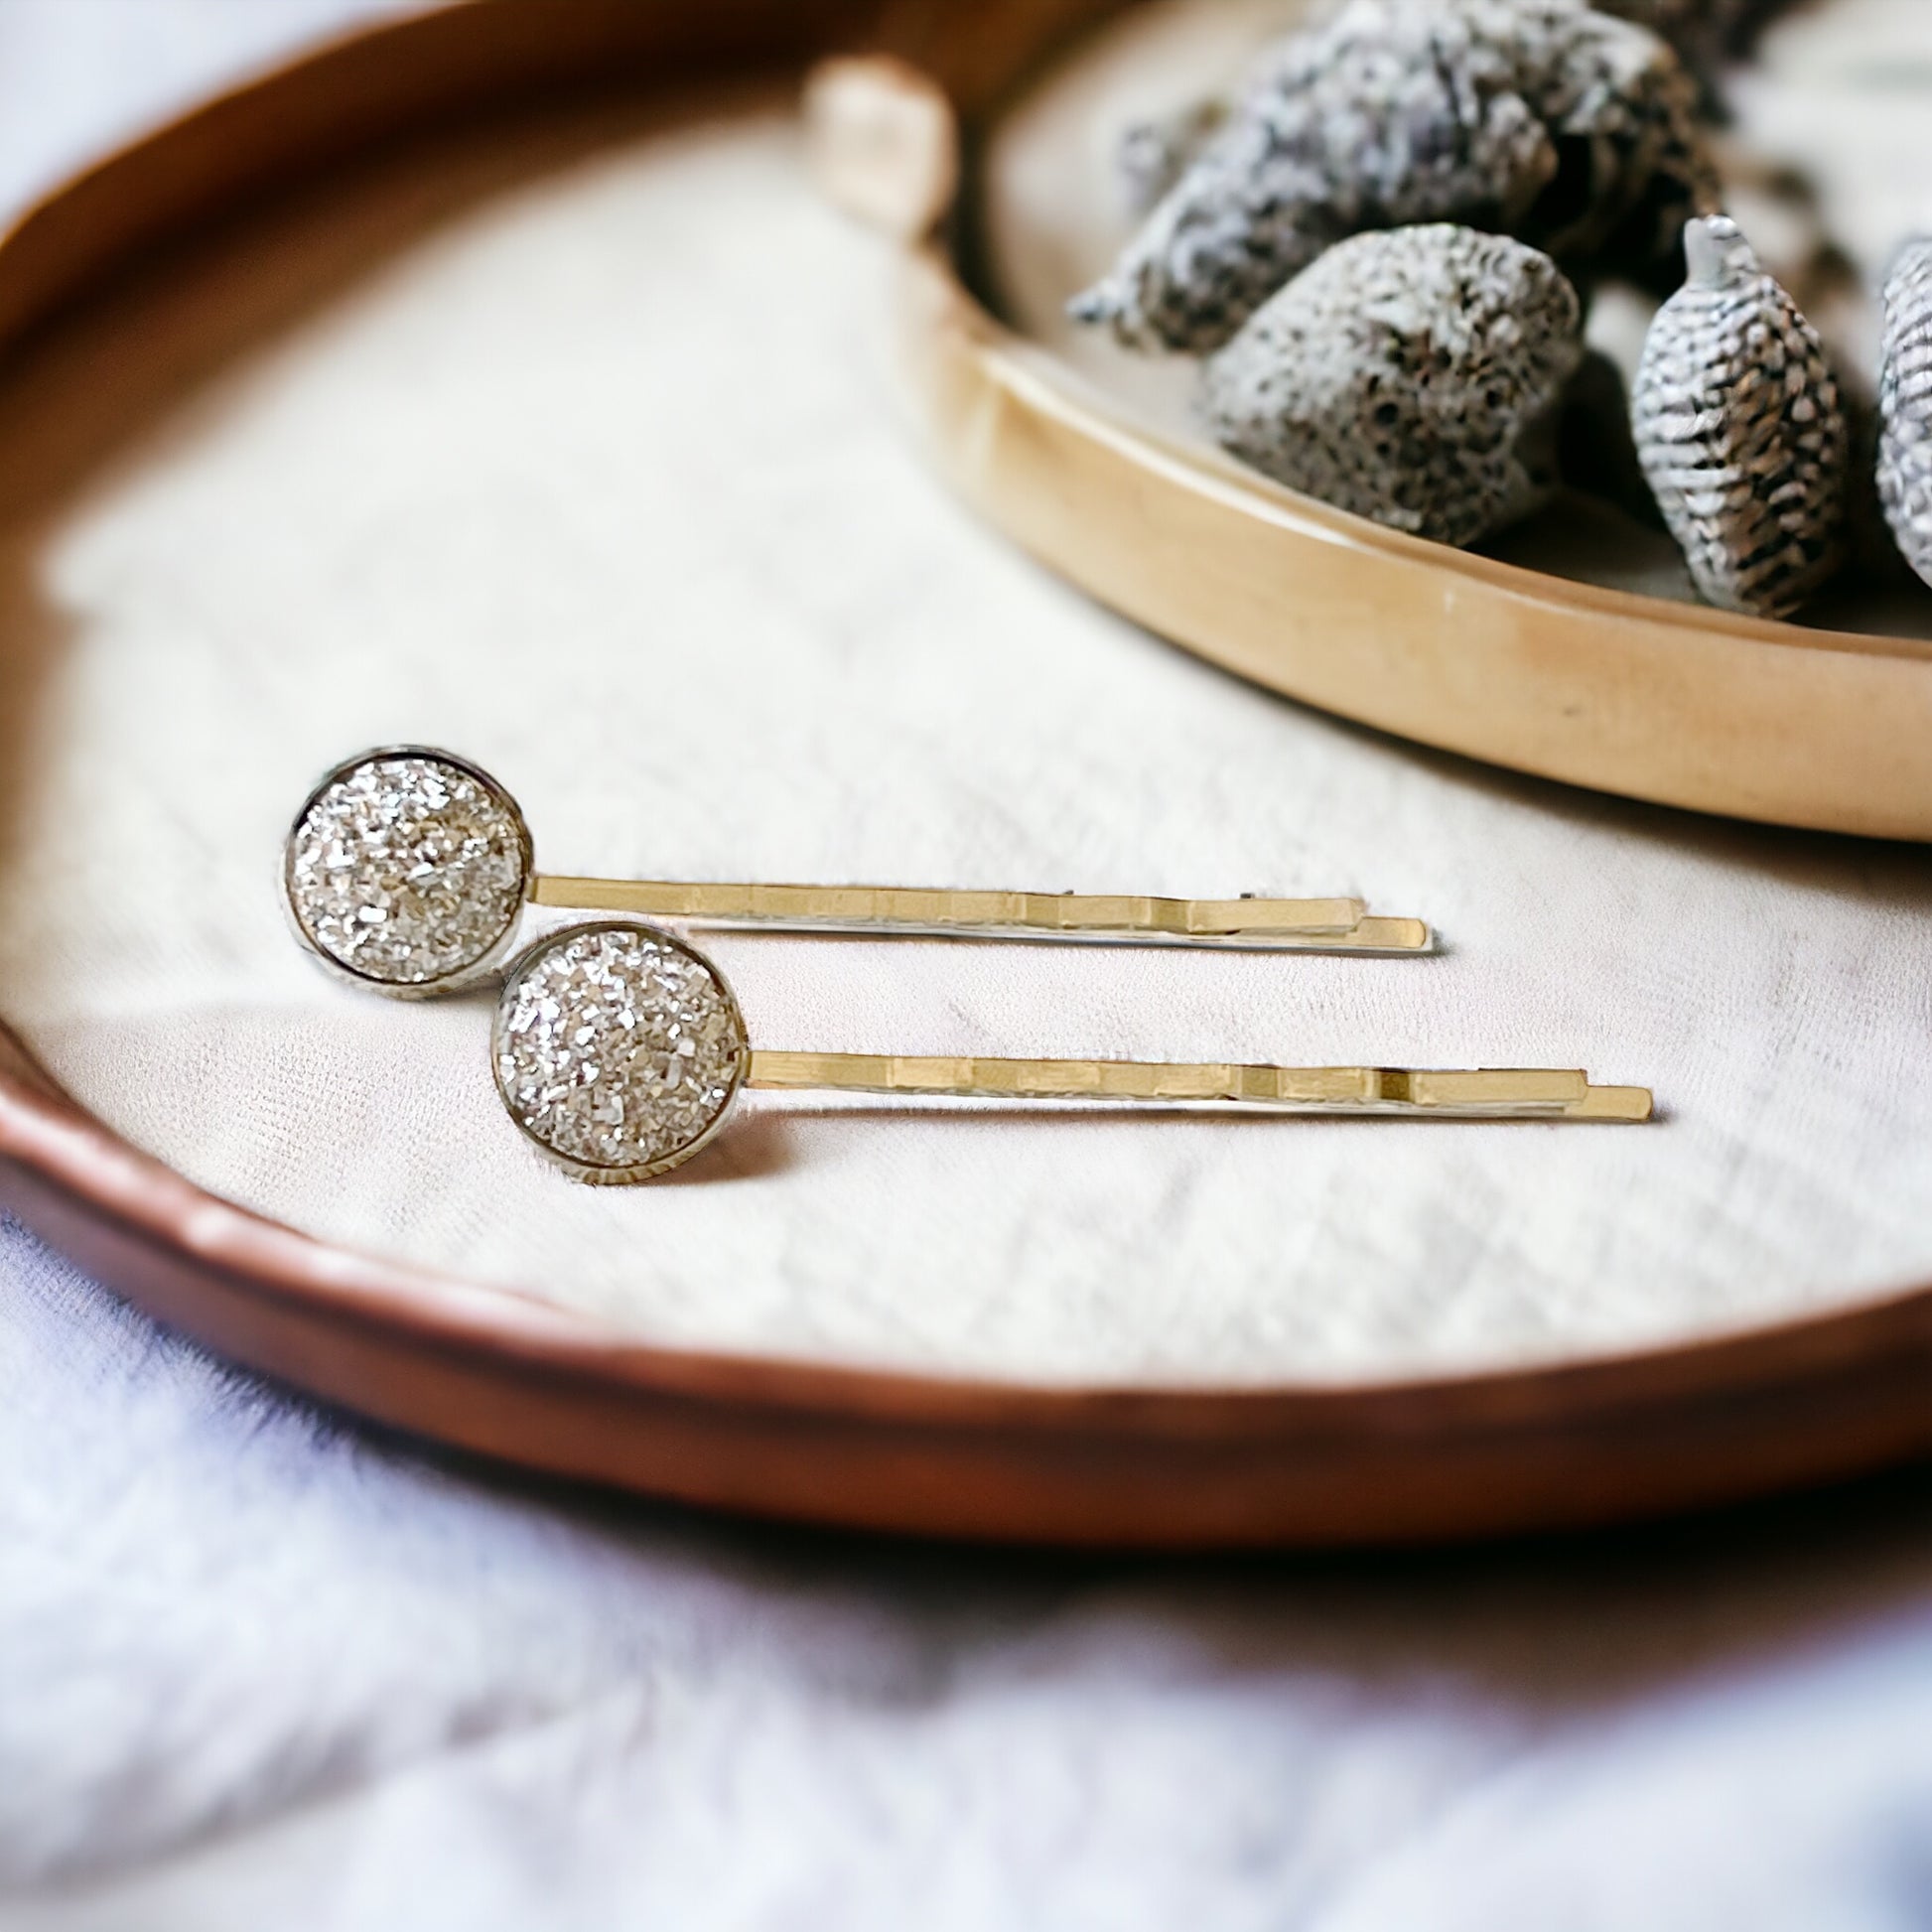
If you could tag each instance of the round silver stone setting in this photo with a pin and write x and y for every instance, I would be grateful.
(407, 869)
(618, 1050)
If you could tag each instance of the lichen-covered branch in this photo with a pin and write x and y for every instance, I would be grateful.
(1543, 120)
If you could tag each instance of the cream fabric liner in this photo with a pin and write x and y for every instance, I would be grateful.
(573, 451)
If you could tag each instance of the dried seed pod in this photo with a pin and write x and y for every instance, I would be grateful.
(1905, 405)
(1740, 430)
(1409, 376)
(1537, 119)
(1703, 32)
(1153, 155)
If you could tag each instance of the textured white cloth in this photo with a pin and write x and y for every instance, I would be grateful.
(259, 1667)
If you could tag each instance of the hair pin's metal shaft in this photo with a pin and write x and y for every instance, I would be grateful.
(1272, 925)
(1489, 1094)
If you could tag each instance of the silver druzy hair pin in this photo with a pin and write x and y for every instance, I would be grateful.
(407, 871)
(618, 1050)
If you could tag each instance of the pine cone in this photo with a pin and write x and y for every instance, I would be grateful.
(1905, 405)
(1536, 119)
(1406, 377)
(1740, 430)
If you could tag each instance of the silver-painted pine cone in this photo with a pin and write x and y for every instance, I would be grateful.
(1407, 376)
(1539, 118)
(1905, 405)
(1741, 432)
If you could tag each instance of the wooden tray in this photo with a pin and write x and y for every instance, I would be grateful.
(1642, 696)
(1571, 1444)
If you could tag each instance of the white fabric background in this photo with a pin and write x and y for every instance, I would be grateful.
(256, 1667)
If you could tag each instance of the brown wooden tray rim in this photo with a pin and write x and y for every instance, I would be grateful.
(1415, 1460)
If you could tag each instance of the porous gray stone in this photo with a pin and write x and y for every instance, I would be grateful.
(1906, 404)
(1409, 375)
(1741, 432)
(1537, 119)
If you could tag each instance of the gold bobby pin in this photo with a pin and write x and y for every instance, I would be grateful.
(407, 870)
(618, 1050)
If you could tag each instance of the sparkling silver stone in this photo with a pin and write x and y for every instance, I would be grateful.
(618, 1050)
(408, 868)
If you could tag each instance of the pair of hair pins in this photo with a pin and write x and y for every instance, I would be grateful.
(618, 1048)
